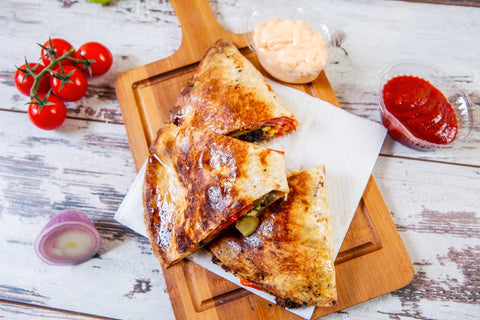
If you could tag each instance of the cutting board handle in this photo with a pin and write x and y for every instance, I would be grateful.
(200, 28)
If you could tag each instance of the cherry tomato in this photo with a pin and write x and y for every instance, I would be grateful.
(71, 91)
(98, 52)
(50, 116)
(61, 47)
(25, 84)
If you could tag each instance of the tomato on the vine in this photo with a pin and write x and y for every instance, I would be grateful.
(24, 84)
(98, 52)
(72, 90)
(61, 47)
(51, 116)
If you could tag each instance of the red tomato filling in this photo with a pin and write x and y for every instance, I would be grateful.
(247, 283)
(230, 220)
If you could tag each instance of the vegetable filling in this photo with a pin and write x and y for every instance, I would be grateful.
(249, 223)
(262, 133)
(245, 223)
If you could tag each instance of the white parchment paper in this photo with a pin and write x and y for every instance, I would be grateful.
(347, 145)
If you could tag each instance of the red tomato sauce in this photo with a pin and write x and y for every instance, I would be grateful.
(421, 108)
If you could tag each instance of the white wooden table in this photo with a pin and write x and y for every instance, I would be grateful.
(86, 164)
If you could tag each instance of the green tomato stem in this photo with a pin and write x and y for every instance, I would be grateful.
(38, 77)
(34, 96)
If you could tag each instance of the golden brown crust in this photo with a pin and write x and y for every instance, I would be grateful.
(290, 255)
(196, 180)
(227, 93)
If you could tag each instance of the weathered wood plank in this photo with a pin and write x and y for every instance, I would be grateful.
(438, 220)
(439, 223)
(19, 311)
(422, 217)
(70, 161)
(87, 165)
(28, 22)
(473, 3)
(353, 74)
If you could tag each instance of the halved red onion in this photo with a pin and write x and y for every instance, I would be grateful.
(68, 238)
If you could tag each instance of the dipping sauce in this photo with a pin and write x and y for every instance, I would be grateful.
(290, 50)
(421, 108)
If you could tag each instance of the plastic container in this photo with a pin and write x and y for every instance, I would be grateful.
(293, 10)
(457, 98)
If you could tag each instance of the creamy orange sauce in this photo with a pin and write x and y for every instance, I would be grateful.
(288, 46)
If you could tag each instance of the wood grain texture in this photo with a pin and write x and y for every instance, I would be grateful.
(21, 311)
(371, 247)
(433, 197)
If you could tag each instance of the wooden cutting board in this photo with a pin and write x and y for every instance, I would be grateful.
(372, 260)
